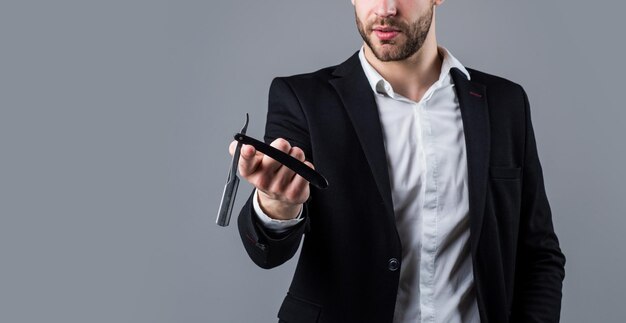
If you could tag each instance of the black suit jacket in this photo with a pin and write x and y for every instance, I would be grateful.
(348, 266)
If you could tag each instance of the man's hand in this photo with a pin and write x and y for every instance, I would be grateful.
(281, 191)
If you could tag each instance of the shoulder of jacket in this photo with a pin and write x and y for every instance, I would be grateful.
(491, 81)
(323, 74)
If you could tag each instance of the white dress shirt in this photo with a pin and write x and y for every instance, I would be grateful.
(425, 147)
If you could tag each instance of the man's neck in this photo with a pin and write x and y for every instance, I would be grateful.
(413, 76)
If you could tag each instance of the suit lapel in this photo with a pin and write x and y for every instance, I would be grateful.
(356, 95)
(473, 103)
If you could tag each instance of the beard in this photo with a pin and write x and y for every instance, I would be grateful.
(397, 49)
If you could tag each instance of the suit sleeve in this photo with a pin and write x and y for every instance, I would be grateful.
(285, 119)
(540, 262)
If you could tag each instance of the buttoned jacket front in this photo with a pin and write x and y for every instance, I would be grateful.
(348, 266)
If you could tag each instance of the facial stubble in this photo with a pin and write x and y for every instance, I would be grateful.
(415, 33)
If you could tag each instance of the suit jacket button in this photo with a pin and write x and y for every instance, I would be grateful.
(393, 264)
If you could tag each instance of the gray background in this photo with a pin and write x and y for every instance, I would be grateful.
(115, 118)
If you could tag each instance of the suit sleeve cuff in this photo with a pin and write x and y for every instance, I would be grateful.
(274, 225)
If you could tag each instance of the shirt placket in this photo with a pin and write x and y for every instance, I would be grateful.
(430, 217)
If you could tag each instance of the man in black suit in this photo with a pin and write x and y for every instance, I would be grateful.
(436, 209)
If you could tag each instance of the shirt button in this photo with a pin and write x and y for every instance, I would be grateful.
(393, 264)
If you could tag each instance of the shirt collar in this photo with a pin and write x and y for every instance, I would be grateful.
(381, 86)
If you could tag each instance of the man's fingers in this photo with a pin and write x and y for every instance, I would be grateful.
(284, 175)
(298, 189)
(249, 160)
(297, 153)
(299, 181)
(247, 152)
(271, 165)
(270, 176)
(232, 147)
(308, 163)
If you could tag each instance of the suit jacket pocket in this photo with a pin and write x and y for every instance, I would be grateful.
(296, 310)
(504, 172)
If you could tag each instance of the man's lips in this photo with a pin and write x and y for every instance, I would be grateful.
(386, 33)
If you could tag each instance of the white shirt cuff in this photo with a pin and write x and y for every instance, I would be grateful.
(277, 226)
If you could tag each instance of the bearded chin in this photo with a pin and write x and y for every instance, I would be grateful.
(392, 50)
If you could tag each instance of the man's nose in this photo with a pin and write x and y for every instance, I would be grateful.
(385, 8)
